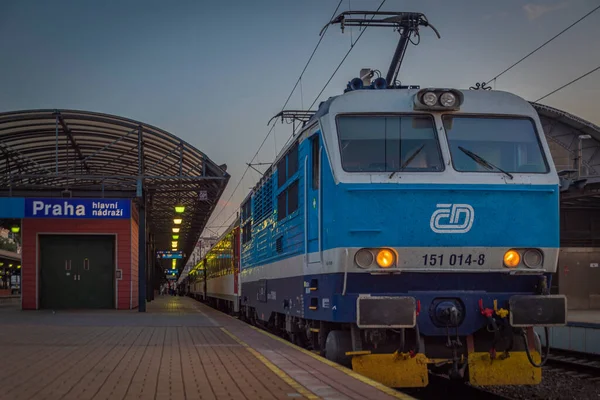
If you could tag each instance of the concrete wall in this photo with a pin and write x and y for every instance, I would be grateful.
(579, 277)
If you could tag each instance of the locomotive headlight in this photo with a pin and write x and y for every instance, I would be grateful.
(533, 258)
(364, 258)
(512, 259)
(448, 99)
(385, 258)
(429, 99)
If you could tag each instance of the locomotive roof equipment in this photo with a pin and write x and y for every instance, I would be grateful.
(407, 24)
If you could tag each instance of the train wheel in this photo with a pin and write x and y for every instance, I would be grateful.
(336, 346)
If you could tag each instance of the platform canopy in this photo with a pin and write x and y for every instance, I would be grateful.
(566, 135)
(69, 153)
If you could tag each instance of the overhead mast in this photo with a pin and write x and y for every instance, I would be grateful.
(407, 24)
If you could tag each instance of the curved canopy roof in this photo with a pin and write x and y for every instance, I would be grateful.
(47, 153)
(567, 132)
(582, 126)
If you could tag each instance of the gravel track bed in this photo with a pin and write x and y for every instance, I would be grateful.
(555, 386)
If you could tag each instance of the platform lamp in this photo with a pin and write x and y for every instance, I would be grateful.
(16, 229)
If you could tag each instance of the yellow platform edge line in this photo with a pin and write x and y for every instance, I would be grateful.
(347, 371)
(276, 370)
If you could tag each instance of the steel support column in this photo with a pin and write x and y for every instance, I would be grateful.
(149, 271)
(151, 268)
(142, 257)
(156, 276)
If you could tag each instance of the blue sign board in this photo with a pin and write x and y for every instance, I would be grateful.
(169, 254)
(172, 275)
(12, 207)
(78, 208)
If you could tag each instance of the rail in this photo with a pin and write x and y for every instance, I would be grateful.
(577, 364)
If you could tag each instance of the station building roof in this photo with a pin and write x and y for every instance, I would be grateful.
(565, 132)
(62, 153)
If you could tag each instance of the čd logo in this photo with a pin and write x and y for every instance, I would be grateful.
(452, 218)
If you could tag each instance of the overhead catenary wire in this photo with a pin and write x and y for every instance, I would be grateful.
(336, 70)
(568, 84)
(543, 45)
(273, 126)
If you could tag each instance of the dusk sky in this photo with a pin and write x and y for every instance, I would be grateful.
(213, 73)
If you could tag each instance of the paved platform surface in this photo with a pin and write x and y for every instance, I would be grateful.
(179, 349)
(582, 333)
(584, 316)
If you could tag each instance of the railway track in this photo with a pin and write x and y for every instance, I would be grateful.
(575, 364)
(440, 387)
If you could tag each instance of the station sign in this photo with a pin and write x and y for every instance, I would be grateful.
(165, 254)
(12, 207)
(171, 275)
(78, 208)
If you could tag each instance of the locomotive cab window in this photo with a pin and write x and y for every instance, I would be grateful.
(376, 143)
(484, 144)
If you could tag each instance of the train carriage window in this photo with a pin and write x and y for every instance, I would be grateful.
(292, 157)
(375, 143)
(247, 232)
(292, 196)
(315, 162)
(509, 143)
(246, 210)
(281, 205)
(291, 161)
(281, 172)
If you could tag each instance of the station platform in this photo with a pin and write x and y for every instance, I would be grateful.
(581, 334)
(179, 349)
(591, 318)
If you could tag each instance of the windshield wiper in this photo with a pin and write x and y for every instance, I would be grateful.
(412, 157)
(409, 160)
(482, 161)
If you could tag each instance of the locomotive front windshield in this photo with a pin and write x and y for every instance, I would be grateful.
(511, 144)
(378, 143)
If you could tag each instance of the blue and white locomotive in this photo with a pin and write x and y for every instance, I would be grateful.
(408, 229)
